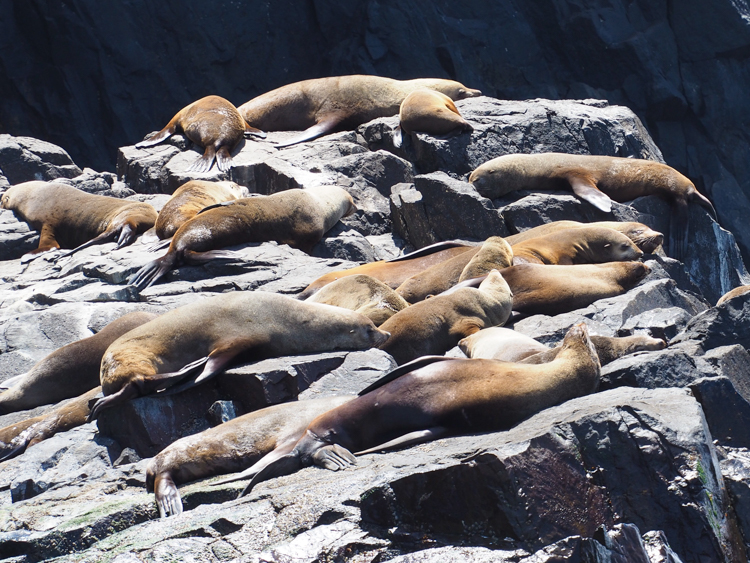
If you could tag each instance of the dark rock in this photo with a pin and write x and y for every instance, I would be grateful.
(665, 368)
(718, 397)
(23, 159)
(720, 326)
(735, 468)
(734, 363)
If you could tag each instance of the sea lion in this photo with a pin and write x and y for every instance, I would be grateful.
(67, 217)
(189, 199)
(363, 294)
(541, 289)
(192, 343)
(741, 290)
(504, 344)
(584, 245)
(212, 123)
(297, 217)
(230, 447)
(68, 371)
(642, 235)
(449, 396)
(428, 111)
(393, 272)
(494, 253)
(17, 437)
(437, 324)
(337, 103)
(598, 180)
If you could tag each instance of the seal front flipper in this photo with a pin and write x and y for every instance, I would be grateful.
(324, 126)
(403, 370)
(167, 496)
(333, 457)
(416, 437)
(586, 189)
(215, 362)
(155, 138)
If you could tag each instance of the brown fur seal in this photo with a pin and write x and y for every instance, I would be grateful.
(212, 123)
(428, 111)
(230, 447)
(337, 103)
(495, 253)
(194, 342)
(442, 398)
(68, 371)
(741, 290)
(363, 294)
(584, 245)
(67, 217)
(541, 289)
(642, 235)
(295, 217)
(504, 344)
(17, 437)
(437, 324)
(598, 180)
(392, 273)
(189, 199)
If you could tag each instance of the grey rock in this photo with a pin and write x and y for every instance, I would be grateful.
(16, 237)
(720, 326)
(735, 468)
(23, 159)
(718, 396)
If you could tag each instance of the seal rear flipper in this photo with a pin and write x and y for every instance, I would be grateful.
(403, 370)
(167, 496)
(322, 127)
(223, 159)
(416, 437)
(586, 189)
(431, 249)
(152, 271)
(204, 163)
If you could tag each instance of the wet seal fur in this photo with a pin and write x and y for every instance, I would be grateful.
(337, 103)
(598, 180)
(68, 371)
(297, 217)
(212, 123)
(363, 294)
(428, 111)
(432, 400)
(67, 217)
(437, 324)
(193, 343)
(230, 447)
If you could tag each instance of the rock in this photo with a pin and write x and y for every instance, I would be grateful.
(718, 396)
(735, 468)
(720, 326)
(23, 159)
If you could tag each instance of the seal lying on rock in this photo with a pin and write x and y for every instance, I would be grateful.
(67, 217)
(428, 111)
(230, 447)
(741, 290)
(212, 123)
(295, 217)
(448, 396)
(68, 371)
(194, 342)
(337, 103)
(437, 324)
(598, 180)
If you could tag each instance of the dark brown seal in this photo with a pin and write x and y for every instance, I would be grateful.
(295, 217)
(434, 400)
(194, 342)
(68, 371)
(230, 447)
(598, 180)
(428, 111)
(437, 324)
(67, 217)
(324, 105)
(212, 123)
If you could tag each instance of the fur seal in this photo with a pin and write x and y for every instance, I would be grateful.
(598, 180)
(336, 103)
(741, 290)
(192, 343)
(642, 235)
(212, 123)
(393, 272)
(297, 217)
(68, 371)
(67, 217)
(437, 324)
(584, 245)
(494, 253)
(363, 294)
(449, 396)
(17, 437)
(504, 344)
(230, 447)
(541, 289)
(429, 111)
(189, 199)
